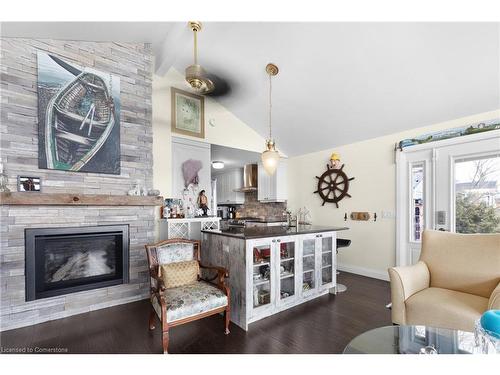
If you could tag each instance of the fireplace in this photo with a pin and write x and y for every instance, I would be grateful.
(67, 260)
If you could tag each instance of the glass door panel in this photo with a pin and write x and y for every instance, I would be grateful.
(287, 269)
(262, 274)
(477, 195)
(417, 201)
(308, 264)
(326, 260)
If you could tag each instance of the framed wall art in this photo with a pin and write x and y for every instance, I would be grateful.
(188, 113)
(78, 117)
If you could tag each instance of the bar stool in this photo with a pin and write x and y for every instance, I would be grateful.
(341, 242)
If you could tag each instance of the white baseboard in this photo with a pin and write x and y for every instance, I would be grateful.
(376, 274)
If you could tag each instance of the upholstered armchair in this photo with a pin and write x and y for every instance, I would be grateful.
(456, 279)
(178, 292)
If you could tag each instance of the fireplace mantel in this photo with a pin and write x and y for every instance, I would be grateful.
(57, 199)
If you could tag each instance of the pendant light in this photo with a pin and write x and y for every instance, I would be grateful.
(270, 157)
(195, 74)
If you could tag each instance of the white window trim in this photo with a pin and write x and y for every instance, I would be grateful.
(402, 255)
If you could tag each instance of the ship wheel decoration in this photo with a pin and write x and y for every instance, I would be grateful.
(333, 184)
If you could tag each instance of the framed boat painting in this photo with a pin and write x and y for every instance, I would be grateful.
(78, 117)
(188, 113)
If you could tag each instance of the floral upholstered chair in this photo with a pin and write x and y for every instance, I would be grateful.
(178, 293)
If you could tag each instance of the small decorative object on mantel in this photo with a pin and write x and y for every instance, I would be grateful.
(28, 184)
(138, 190)
(333, 184)
(153, 192)
(3, 180)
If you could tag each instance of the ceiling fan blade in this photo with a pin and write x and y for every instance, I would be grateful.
(222, 87)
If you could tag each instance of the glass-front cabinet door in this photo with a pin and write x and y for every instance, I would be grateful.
(262, 272)
(328, 246)
(286, 253)
(308, 268)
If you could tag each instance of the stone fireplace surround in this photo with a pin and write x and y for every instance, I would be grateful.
(19, 153)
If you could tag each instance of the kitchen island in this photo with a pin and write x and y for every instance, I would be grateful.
(273, 268)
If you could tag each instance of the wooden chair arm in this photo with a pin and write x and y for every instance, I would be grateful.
(220, 270)
(154, 274)
(221, 276)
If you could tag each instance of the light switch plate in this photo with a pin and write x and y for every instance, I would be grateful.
(441, 217)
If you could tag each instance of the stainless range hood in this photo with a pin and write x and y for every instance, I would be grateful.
(249, 178)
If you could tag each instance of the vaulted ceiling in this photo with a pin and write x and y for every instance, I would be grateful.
(338, 82)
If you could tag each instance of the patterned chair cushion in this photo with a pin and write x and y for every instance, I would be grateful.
(189, 300)
(175, 252)
(179, 273)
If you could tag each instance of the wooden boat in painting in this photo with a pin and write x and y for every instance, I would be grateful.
(79, 120)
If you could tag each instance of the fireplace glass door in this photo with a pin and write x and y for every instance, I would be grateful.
(60, 263)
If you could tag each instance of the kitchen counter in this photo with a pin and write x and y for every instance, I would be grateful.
(266, 220)
(265, 232)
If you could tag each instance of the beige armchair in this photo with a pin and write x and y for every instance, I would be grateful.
(456, 279)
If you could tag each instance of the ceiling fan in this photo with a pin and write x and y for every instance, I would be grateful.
(198, 78)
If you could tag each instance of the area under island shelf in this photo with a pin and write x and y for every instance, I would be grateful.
(272, 269)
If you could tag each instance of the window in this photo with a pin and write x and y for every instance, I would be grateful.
(477, 195)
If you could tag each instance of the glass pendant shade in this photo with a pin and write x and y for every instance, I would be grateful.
(270, 159)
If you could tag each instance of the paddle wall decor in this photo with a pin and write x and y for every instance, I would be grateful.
(78, 117)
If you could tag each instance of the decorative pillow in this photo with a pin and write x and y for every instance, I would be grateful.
(175, 252)
(179, 273)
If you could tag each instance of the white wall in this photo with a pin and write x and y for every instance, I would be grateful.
(372, 164)
(228, 130)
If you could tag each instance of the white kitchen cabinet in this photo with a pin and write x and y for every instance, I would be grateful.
(318, 262)
(266, 273)
(227, 183)
(273, 280)
(286, 271)
(272, 188)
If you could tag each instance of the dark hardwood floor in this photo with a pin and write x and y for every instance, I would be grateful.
(324, 325)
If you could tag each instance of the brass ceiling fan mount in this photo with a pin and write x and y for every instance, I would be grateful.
(272, 69)
(195, 25)
(196, 76)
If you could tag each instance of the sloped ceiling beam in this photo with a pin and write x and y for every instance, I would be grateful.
(178, 39)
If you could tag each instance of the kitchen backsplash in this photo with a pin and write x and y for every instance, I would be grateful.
(254, 208)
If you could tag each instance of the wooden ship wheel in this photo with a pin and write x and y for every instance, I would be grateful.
(333, 185)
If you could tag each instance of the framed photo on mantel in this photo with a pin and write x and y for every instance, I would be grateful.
(188, 113)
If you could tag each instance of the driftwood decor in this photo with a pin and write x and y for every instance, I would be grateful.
(333, 185)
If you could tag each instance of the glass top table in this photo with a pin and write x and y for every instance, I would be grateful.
(412, 340)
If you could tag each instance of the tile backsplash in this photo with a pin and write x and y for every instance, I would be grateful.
(254, 208)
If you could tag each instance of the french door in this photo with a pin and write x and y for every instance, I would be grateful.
(451, 185)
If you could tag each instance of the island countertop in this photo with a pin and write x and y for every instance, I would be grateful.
(264, 232)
